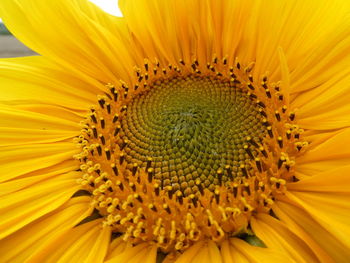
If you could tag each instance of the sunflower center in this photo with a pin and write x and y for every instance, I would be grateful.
(187, 153)
(191, 128)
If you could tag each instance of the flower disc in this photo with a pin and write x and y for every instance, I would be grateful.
(190, 127)
(188, 155)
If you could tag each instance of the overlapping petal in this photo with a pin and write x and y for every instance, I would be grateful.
(21, 245)
(77, 35)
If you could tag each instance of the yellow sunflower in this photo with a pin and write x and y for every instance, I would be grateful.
(186, 131)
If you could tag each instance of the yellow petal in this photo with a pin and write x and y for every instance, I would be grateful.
(326, 247)
(326, 155)
(23, 207)
(249, 30)
(12, 117)
(85, 243)
(32, 238)
(16, 161)
(278, 237)
(237, 250)
(327, 106)
(335, 180)
(142, 252)
(330, 210)
(15, 136)
(86, 41)
(117, 247)
(34, 80)
(227, 251)
(37, 176)
(202, 251)
(190, 253)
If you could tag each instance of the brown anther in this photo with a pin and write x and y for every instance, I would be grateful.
(258, 164)
(260, 103)
(156, 188)
(121, 158)
(194, 200)
(167, 208)
(277, 115)
(132, 186)
(120, 184)
(94, 131)
(229, 171)
(117, 129)
(102, 139)
(269, 131)
(99, 149)
(280, 141)
(265, 122)
(101, 101)
(262, 112)
(251, 141)
(124, 143)
(134, 168)
(200, 186)
(217, 196)
(150, 172)
(149, 161)
(263, 151)
(292, 116)
(284, 108)
(170, 192)
(248, 151)
(108, 153)
(115, 169)
(108, 106)
(115, 96)
(235, 190)
(252, 95)
(220, 173)
(93, 118)
(138, 197)
(179, 197)
(102, 122)
(244, 170)
(115, 118)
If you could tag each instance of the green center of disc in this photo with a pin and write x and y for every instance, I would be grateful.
(192, 128)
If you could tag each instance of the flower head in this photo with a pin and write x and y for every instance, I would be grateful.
(186, 131)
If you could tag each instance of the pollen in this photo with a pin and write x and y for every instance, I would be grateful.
(188, 151)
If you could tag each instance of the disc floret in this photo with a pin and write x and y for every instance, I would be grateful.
(188, 152)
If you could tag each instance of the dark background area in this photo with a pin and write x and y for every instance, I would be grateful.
(10, 46)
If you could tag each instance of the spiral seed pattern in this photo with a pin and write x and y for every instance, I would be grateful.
(192, 128)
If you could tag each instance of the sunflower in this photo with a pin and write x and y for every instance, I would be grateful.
(186, 131)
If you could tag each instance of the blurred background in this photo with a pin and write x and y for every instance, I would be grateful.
(11, 47)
